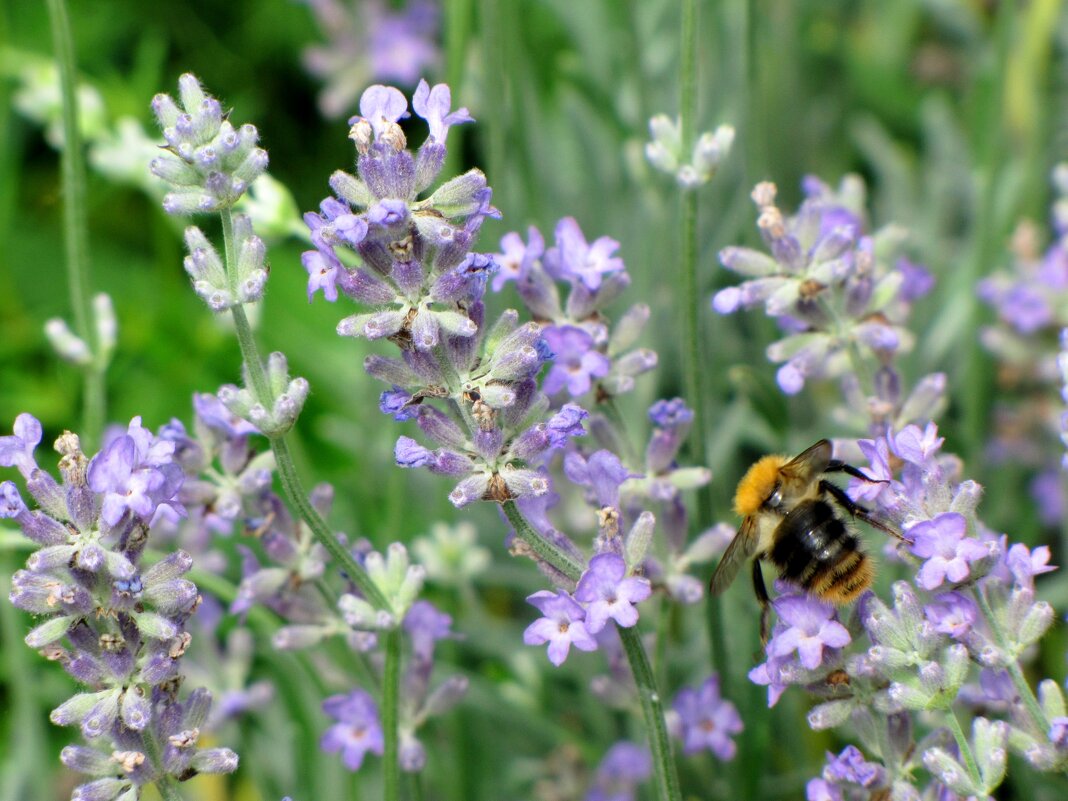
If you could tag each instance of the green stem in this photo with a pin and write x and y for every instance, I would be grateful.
(543, 548)
(287, 471)
(964, 747)
(1019, 681)
(667, 780)
(75, 221)
(168, 790)
(298, 500)
(390, 704)
(691, 302)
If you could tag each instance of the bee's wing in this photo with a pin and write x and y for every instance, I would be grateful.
(806, 467)
(741, 548)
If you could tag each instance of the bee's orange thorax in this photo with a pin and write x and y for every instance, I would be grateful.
(758, 484)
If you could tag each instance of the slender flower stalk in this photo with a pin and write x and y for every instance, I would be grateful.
(649, 696)
(76, 228)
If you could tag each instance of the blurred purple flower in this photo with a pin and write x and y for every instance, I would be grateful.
(851, 767)
(516, 258)
(1026, 563)
(573, 259)
(357, 731)
(622, 768)
(577, 362)
(603, 473)
(706, 720)
(822, 790)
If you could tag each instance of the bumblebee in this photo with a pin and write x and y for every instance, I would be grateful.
(791, 516)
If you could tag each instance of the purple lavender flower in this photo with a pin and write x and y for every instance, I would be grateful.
(622, 768)
(822, 790)
(577, 363)
(562, 626)
(819, 281)
(949, 553)
(516, 258)
(17, 449)
(1058, 733)
(809, 629)
(705, 720)
(608, 594)
(401, 43)
(357, 731)
(603, 473)
(134, 472)
(952, 613)
(850, 767)
(208, 164)
(435, 106)
(574, 259)
(113, 624)
(1025, 563)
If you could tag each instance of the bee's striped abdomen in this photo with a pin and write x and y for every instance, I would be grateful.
(814, 549)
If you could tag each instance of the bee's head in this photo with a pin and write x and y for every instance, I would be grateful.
(758, 485)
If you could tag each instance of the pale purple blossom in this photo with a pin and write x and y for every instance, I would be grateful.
(809, 629)
(623, 767)
(949, 553)
(562, 626)
(357, 731)
(322, 274)
(381, 105)
(706, 720)
(603, 473)
(850, 767)
(916, 446)
(577, 364)
(1025, 563)
(822, 790)
(952, 613)
(17, 449)
(434, 106)
(574, 259)
(401, 43)
(516, 258)
(608, 593)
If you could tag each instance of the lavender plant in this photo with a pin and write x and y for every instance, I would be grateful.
(1029, 299)
(973, 609)
(116, 624)
(473, 388)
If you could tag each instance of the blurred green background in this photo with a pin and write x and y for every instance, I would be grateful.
(954, 112)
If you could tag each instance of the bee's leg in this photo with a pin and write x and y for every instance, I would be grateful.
(763, 600)
(856, 510)
(837, 466)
